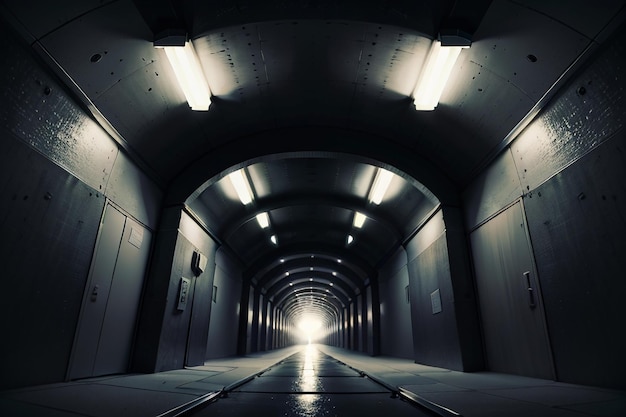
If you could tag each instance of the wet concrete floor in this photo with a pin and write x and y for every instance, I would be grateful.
(310, 383)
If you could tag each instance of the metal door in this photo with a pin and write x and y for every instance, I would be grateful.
(105, 331)
(512, 313)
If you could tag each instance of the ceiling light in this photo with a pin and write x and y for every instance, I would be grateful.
(334, 274)
(331, 284)
(381, 183)
(188, 71)
(350, 239)
(359, 219)
(240, 183)
(274, 240)
(435, 73)
(263, 219)
(287, 273)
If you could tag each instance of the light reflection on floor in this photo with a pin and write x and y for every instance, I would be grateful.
(309, 404)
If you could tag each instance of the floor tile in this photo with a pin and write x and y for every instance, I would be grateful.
(613, 408)
(478, 404)
(554, 395)
(105, 401)
(10, 408)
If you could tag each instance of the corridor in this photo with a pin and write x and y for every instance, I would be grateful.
(192, 193)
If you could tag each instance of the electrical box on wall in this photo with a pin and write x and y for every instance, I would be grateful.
(183, 293)
(435, 301)
(198, 263)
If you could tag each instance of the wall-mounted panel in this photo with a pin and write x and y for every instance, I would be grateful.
(495, 188)
(129, 187)
(224, 324)
(578, 230)
(515, 334)
(396, 336)
(428, 234)
(590, 110)
(204, 288)
(38, 111)
(435, 339)
(49, 222)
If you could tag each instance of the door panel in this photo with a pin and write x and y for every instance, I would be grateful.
(96, 296)
(512, 313)
(105, 331)
(121, 314)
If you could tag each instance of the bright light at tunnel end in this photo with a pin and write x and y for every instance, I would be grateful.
(310, 329)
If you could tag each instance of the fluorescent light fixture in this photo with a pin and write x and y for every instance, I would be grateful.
(274, 240)
(350, 239)
(263, 219)
(189, 74)
(359, 219)
(435, 74)
(381, 183)
(240, 183)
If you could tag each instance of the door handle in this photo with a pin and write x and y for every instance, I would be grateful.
(94, 292)
(531, 291)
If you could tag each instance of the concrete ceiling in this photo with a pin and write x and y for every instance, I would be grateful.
(310, 97)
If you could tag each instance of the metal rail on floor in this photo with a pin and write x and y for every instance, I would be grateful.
(409, 396)
(434, 407)
(194, 405)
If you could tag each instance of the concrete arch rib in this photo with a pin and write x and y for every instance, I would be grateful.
(305, 288)
(323, 269)
(295, 281)
(349, 143)
(326, 256)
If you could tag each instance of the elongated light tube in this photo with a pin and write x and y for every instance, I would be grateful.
(186, 65)
(359, 220)
(240, 183)
(264, 220)
(381, 183)
(434, 76)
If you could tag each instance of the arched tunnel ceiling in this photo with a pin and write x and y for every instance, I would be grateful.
(310, 98)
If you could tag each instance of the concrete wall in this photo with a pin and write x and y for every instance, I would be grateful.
(57, 170)
(568, 166)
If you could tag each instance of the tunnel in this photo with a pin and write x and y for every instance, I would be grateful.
(308, 202)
